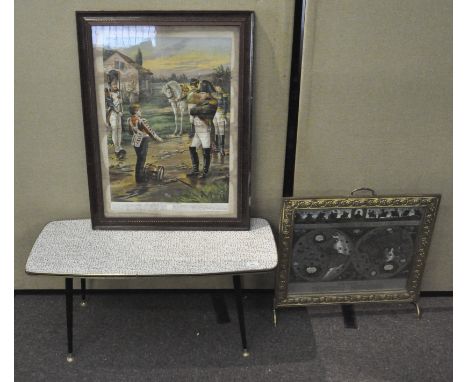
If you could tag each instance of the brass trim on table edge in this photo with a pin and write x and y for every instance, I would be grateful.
(286, 226)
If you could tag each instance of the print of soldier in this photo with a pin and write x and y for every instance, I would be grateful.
(142, 133)
(114, 112)
(109, 104)
(219, 120)
(203, 112)
(194, 83)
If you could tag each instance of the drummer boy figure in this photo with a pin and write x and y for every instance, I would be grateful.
(142, 133)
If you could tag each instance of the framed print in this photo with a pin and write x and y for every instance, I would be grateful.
(353, 249)
(167, 118)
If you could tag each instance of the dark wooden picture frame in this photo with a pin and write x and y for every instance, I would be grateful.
(372, 240)
(239, 216)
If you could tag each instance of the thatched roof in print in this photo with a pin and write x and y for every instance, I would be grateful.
(128, 60)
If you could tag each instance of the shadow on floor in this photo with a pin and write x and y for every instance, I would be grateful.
(152, 331)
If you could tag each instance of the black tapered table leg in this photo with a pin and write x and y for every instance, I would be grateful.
(240, 313)
(83, 292)
(69, 304)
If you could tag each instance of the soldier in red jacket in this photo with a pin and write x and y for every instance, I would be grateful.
(142, 133)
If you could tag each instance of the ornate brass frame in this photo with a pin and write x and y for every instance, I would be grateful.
(430, 205)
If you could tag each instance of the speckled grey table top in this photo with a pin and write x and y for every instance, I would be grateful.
(73, 248)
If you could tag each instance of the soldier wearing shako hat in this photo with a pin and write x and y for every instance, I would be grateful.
(203, 113)
(220, 120)
(114, 113)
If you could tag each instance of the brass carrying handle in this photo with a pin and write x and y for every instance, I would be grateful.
(372, 192)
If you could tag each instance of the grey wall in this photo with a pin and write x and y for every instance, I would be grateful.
(375, 110)
(376, 107)
(50, 168)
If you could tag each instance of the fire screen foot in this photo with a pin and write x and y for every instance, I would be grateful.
(418, 310)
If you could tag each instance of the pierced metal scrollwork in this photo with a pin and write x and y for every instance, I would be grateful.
(319, 260)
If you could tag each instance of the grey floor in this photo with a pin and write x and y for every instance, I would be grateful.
(174, 336)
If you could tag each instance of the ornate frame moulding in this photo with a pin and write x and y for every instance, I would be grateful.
(167, 104)
(393, 210)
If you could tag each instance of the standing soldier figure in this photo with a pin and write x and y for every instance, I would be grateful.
(114, 115)
(219, 120)
(194, 83)
(203, 113)
(142, 133)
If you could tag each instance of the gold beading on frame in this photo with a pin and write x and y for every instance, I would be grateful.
(430, 204)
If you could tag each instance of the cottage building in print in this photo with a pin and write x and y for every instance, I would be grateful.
(135, 80)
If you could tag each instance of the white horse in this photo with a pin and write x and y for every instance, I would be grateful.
(178, 100)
